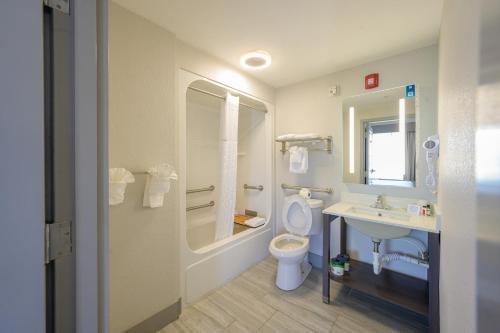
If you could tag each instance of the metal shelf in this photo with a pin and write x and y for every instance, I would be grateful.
(326, 141)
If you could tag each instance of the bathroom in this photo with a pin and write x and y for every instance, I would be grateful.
(264, 166)
(189, 131)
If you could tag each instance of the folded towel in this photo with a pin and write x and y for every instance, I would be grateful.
(299, 160)
(118, 180)
(307, 136)
(255, 222)
(157, 184)
(304, 136)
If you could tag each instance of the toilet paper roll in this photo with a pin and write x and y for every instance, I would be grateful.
(305, 193)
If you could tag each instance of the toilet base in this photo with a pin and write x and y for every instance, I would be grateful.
(291, 275)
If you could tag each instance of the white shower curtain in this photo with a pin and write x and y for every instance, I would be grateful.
(228, 147)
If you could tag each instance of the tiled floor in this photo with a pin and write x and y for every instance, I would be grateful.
(252, 303)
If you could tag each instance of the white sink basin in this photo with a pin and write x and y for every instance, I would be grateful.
(382, 223)
(376, 230)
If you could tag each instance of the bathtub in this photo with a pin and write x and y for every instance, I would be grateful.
(205, 264)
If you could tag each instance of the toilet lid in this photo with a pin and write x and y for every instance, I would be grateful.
(297, 215)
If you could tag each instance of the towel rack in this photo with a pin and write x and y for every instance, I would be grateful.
(201, 189)
(250, 187)
(328, 190)
(326, 140)
(210, 204)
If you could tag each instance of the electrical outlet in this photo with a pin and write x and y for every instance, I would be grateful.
(333, 91)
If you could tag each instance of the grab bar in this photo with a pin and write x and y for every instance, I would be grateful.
(210, 204)
(202, 189)
(249, 187)
(328, 190)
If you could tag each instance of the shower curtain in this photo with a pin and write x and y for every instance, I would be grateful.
(228, 150)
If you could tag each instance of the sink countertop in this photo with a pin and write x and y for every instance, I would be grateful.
(415, 222)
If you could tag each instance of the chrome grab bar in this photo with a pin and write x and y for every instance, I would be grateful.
(210, 204)
(202, 189)
(328, 190)
(249, 187)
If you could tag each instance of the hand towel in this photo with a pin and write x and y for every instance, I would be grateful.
(298, 159)
(157, 184)
(118, 180)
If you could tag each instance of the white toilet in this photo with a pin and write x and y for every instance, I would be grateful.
(301, 217)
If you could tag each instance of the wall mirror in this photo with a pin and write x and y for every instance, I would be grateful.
(379, 138)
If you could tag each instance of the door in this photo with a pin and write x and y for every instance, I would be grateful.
(22, 293)
(59, 167)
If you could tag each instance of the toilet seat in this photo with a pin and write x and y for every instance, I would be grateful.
(288, 245)
(297, 215)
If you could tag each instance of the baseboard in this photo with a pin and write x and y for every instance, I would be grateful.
(159, 320)
(316, 260)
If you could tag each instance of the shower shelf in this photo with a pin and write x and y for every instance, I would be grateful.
(326, 141)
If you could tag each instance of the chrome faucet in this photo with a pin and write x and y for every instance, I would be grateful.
(380, 203)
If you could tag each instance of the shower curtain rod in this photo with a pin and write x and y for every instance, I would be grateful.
(224, 98)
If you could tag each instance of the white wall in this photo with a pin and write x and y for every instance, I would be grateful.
(144, 246)
(202, 140)
(22, 276)
(144, 243)
(306, 107)
(458, 75)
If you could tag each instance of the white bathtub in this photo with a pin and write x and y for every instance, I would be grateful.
(216, 263)
(204, 264)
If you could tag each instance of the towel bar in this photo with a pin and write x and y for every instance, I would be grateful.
(210, 204)
(326, 140)
(202, 189)
(249, 187)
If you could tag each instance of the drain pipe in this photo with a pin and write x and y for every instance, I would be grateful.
(379, 260)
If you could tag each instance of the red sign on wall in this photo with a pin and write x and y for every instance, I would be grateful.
(371, 81)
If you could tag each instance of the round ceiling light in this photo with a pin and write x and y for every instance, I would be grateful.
(256, 60)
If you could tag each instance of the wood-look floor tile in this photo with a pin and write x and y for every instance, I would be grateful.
(280, 323)
(249, 314)
(238, 327)
(213, 311)
(197, 322)
(302, 315)
(310, 300)
(175, 327)
(252, 303)
(263, 278)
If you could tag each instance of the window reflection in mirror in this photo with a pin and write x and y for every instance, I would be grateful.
(380, 138)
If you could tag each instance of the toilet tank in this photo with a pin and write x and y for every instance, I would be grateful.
(317, 217)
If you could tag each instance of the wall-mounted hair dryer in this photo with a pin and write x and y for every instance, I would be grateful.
(431, 146)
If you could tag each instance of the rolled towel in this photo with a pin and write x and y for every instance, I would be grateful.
(118, 180)
(157, 184)
(305, 193)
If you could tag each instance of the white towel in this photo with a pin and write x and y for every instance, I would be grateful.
(298, 159)
(255, 222)
(299, 136)
(118, 180)
(157, 184)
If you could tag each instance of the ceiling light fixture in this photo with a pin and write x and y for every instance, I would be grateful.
(256, 60)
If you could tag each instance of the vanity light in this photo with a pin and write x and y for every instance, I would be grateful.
(351, 140)
(402, 125)
(256, 60)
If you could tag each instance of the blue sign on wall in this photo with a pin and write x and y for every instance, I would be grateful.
(410, 90)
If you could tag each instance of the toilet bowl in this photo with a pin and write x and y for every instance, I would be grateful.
(301, 218)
